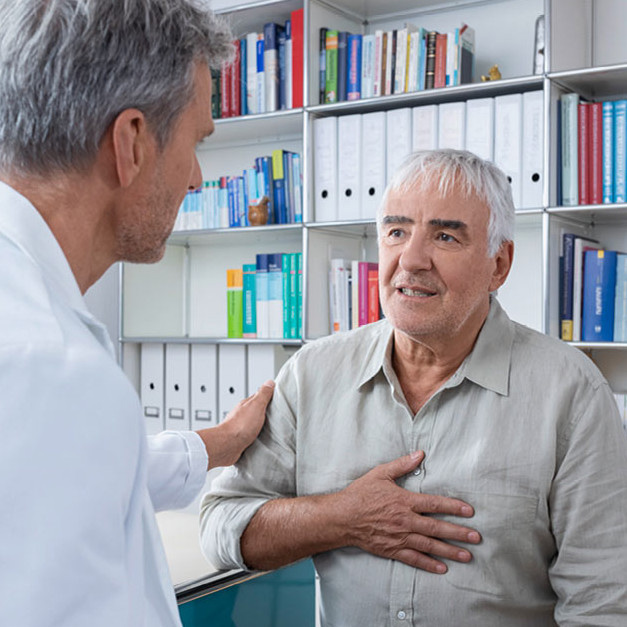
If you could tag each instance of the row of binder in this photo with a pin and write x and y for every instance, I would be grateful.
(355, 155)
(185, 386)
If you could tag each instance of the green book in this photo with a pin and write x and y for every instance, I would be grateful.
(299, 294)
(330, 90)
(234, 303)
(293, 287)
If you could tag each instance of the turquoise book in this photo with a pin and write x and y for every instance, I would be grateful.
(286, 294)
(299, 288)
(293, 291)
(249, 322)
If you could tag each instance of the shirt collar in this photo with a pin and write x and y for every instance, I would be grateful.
(23, 225)
(487, 365)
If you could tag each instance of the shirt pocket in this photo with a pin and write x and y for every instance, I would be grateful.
(507, 556)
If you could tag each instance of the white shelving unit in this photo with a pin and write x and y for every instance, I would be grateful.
(183, 298)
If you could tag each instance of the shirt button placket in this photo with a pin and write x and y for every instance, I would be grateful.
(401, 615)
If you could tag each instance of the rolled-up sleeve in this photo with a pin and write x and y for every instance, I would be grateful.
(265, 471)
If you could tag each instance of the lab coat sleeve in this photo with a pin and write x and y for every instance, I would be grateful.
(177, 468)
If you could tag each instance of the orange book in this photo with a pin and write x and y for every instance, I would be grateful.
(439, 78)
(373, 295)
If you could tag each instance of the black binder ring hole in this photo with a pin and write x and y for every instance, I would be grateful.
(231, 390)
(509, 178)
(535, 177)
(176, 387)
(203, 388)
(324, 193)
(371, 191)
(152, 386)
(348, 192)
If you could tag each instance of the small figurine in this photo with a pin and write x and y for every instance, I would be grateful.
(258, 214)
(493, 74)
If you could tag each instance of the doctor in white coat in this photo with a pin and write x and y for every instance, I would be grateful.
(102, 104)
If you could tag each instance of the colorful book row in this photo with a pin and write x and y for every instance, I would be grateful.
(275, 182)
(353, 294)
(593, 292)
(408, 59)
(264, 299)
(593, 151)
(266, 74)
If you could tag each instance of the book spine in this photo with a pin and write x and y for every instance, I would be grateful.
(234, 303)
(235, 76)
(285, 290)
(595, 150)
(367, 66)
(599, 290)
(362, 281)
(331, 72)
(567, 288)
(225, 90)
(620, 307)
(282, 66)
(288, 174)
(583, 169)
(243, 85)
(391, 65)
(271, 66)
(608, 152)
(298, 57)
(342, 65)
(430, 59)
(373, 295)
(298, 188)
(322, 59)
(293, 295)
(354, 67)
(261, 289)
(278, 187)
(299, 287)
(251, 72)
(261, 76)
(216, 94)
(378, 69)
(249, 304)
(384, 62)
(275, 295)
(620, 150)
(289, 73)
(401, 61)
(439, 76)
(570, 160)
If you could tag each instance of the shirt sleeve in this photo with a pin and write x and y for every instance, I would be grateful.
(265, 471)
(588, 504)
(177, 468)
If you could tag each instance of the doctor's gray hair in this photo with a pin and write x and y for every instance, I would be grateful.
(68, 68)
(446, 168)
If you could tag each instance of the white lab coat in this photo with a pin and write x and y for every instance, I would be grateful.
(79, 544)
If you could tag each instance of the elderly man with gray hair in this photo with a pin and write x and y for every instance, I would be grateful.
(102, 104)
(378, 440)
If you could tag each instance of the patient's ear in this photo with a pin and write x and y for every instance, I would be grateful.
(130, 138)
(503, 260)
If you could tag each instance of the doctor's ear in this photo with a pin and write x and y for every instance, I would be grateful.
(131, 140)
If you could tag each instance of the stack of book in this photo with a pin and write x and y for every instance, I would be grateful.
(266, 74)
(224, 202)
(264, 299)
(593, 291)
(353, 294)
(397, 61)
(593, 151)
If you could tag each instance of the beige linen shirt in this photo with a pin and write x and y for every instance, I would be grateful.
(526, 430)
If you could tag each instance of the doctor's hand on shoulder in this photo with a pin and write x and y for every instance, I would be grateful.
(226, 442)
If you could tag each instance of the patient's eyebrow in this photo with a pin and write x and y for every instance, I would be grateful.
(397, 220)
(456, 225)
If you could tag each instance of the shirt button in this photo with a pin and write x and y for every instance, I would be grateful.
(401, 615)
(418, 471)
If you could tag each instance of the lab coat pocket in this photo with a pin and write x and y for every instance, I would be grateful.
(507, 549)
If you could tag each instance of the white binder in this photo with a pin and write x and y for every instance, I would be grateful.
(373, 144)
(151, 386)
(532, 149)
(325, 169)
(480, 127)
(263, 363)
(349, 167)
(508, 140)
(398, 134)
(177, 387)
(204, 386)
(231, 377)
(452, 125)
(425, 128)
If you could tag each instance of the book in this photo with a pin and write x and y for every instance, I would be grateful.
(225, 90)
(353, 89)
(439, 73)
(261, 76)
(299, 291)
(293, 295)
(378, 63)
(271, 34)
(235, 107)
(286, 296)
(581, 245)
(278, 187)
(599, 290)
(620, 150)
(339, 295)
(620, 301)
(367, 66)
(583, 166)
(342, 65)
(608, 151)
(215, 94)
(282, 65)
(331, 67)
(261, 289)
(364, 267)
(249, 301)
(288, 64)
(373, 295)
(234, 302)
(322, 60)
(251, 72)
(243, 77)
(275, 295)
(430, 41)
(298, 56)
(570, 186)
(566, 310)
(466, 54)
(595, 151)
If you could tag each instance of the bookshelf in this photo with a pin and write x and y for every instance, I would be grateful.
(180, 299)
